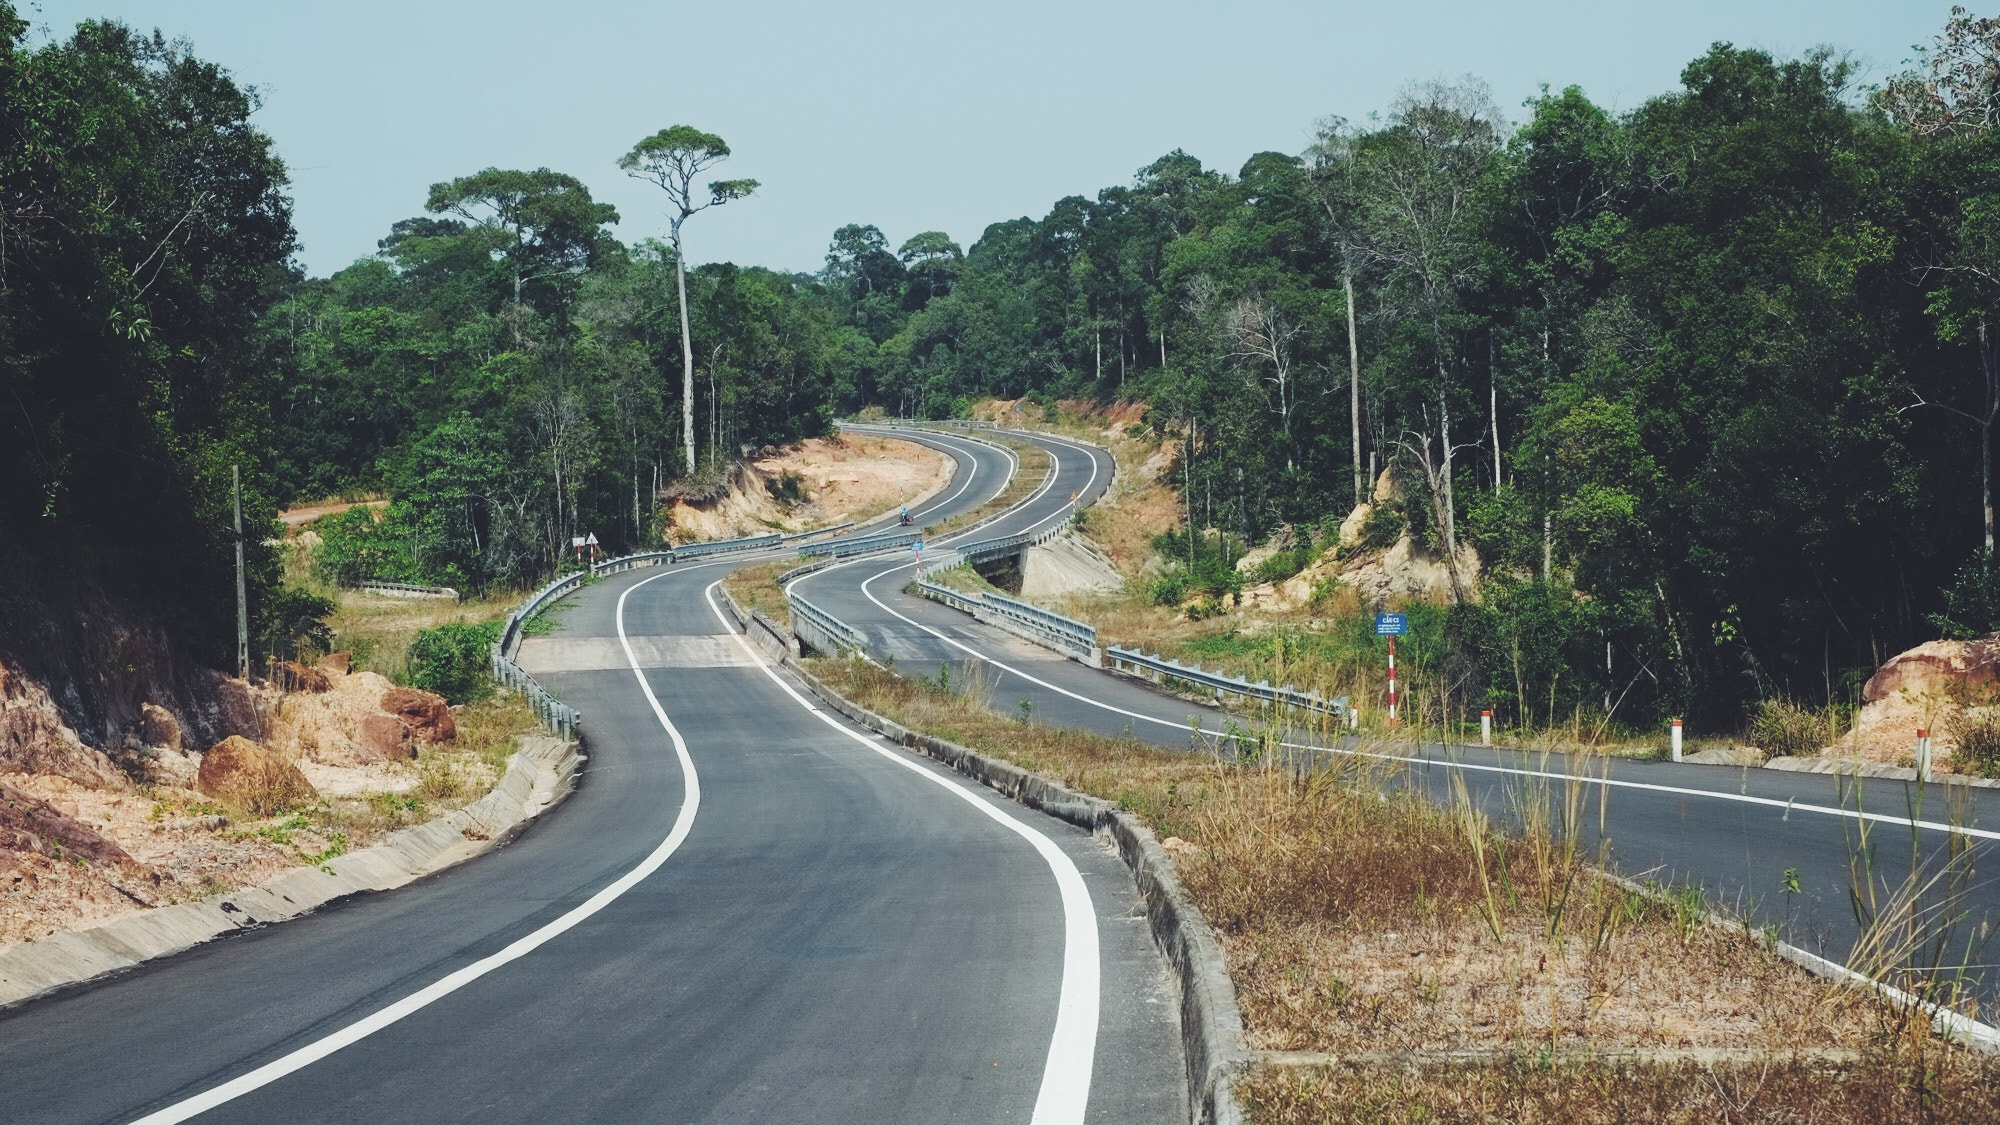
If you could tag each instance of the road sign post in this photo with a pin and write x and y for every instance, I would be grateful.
(1391, 625)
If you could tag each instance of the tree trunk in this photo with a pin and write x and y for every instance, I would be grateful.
(687, 354)
(1493, 401)
(1354, 385)
(1986, 432)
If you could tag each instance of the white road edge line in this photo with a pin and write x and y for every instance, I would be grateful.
(361, 1029)
(1647, 786)
(1065, 1088)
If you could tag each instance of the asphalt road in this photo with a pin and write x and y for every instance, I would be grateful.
(1733, 832)
(749, 912)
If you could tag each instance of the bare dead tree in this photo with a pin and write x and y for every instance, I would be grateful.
(1261, 338)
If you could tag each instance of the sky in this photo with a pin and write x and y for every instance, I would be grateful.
(911, 116)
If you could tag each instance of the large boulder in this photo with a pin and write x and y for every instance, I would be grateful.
(1963, 670)
(158, 727)
(427, 716)
(244, 773)
(386, 738)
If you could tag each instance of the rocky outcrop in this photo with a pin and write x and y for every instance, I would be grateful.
(31, 825)
(427, 716)
(35, 739)
(1963, 670)
(386, 738)
(158, 727)
(243, 773)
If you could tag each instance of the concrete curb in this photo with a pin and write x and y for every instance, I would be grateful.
(1854, 767)
(537, 778)
(1211, 1023)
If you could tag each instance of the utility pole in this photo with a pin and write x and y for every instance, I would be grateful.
(242, 586)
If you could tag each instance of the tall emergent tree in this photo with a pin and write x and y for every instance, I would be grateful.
(672, 159)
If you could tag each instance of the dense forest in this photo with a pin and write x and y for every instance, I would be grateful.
(1708, 385)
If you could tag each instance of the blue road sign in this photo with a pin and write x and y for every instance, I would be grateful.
(1390, 625)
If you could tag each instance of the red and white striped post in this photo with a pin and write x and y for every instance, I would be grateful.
(1923, 754)
(1486, 728)
(1392, 682)
(1677, 740)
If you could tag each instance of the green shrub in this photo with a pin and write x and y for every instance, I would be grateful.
(787, 487)
(1168, 589)
(292, 623)
(1383, 526)
(1280, 566)
(1783, 729)
(451, 660)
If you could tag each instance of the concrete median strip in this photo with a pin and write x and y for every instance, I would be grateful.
(538, 777)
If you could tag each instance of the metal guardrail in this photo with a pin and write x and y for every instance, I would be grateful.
(554, 713)
(844, 548)
(818, 629)
(724, 546)
(694, 551)
(1064, 634)
(1158, 668)
(828, 530)
(408, 590)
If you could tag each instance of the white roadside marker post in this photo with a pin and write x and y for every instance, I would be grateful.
(1486, 728)
(1677, 740)
(1923, 754)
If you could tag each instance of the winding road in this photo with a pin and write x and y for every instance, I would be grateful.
(752, 911)
(748, 912)
(1734, 832)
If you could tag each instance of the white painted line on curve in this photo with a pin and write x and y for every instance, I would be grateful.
(1065, 1090)
(361, 1029)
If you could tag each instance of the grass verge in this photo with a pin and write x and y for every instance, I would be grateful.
(1359, 918)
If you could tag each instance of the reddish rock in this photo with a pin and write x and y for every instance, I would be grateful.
(427, 716)
(290, 675)
(386, 738)
(336, 663)
(158, 727)
(241, 710)
(30, 824)
(246, 774)
(1962, 669)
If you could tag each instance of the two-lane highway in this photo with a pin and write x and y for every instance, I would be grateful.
(748, 912)
(1735, 832)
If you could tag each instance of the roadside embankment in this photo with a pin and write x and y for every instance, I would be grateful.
(538, 776)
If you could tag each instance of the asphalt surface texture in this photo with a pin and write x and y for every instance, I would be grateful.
(1744, 836)
(809, 925)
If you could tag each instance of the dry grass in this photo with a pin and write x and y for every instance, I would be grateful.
(444, 777)
(1360, 918)
(1877, 1086)
(1138, 506)
(1035, 468)
(755, 588)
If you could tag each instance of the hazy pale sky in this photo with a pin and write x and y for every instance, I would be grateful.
(911, 116)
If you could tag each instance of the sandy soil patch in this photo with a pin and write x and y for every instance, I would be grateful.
(296, 518)
(851, 477)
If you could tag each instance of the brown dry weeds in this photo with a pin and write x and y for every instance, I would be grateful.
(1355, 919)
